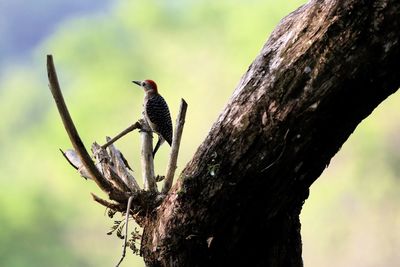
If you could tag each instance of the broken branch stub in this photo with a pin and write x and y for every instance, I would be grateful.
(121, 167)
(146, 157)
(106, 167)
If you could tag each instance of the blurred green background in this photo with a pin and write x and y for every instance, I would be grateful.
(197, 50)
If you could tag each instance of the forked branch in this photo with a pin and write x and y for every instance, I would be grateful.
(111, 171)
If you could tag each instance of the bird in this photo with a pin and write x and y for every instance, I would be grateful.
(156, 113)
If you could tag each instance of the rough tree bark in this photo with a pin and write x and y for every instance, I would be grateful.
(324, 69)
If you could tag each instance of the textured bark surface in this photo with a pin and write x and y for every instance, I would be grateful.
(323, 70)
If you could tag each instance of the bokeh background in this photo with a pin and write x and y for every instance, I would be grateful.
(197, 50)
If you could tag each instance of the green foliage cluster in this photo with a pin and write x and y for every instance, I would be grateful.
(195, 50)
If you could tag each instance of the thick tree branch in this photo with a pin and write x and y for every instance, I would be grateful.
(323, 70)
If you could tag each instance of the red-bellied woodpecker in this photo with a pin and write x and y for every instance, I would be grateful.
(156, 113)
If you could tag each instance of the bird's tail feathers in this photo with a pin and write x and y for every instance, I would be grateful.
(159, 143)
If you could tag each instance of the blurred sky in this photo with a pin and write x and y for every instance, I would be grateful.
(197, 50)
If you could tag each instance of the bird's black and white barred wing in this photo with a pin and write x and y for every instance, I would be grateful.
(159, 117)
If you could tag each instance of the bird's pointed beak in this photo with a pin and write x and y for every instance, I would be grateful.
(138, 82)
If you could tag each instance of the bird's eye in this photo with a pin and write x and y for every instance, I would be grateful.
(143, 84)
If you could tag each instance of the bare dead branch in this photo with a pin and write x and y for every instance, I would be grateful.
(134, 126)
(70, 127)
(146, 139)
(118, 180)
(105, 163)
(108, 204)
(121, 168)
(76, 141)
(126, 230)
(176, 141)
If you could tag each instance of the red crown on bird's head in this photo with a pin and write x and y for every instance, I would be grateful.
(152, 84)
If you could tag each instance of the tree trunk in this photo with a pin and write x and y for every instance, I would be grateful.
(237, 203)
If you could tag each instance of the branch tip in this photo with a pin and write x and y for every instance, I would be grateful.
(176, 141)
